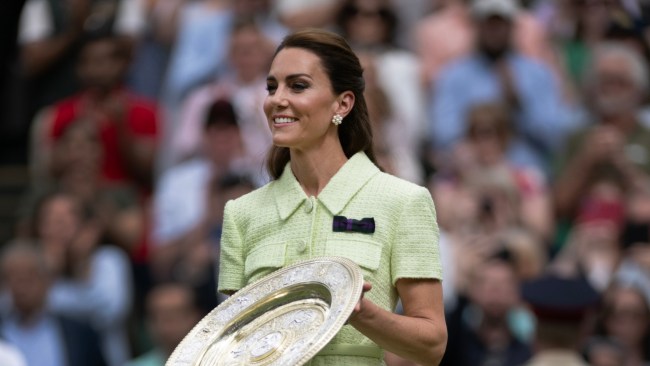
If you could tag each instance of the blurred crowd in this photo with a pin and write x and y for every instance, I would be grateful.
(529, 122)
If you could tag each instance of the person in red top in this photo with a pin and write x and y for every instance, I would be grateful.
(125, 127)
(126, 124)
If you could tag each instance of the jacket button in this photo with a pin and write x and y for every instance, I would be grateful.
(302, 246)
(309, 205)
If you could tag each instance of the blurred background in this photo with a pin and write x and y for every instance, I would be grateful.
(127, 125)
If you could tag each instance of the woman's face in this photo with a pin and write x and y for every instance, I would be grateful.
(301, 103)
(58, 221)
(487, 141)
(615, 92)
(628, 317)
(250, 53)
(367, 25)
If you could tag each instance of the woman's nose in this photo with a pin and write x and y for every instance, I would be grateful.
(279, 97)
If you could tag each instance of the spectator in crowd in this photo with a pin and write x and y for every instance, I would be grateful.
(626, 318)
(482, 157)
(296, 14)
(127, 127)
(614, 149)
(52, 33)
(43, 337)
(224, 189)
(200, 52)
(371, 28)
(75, 162)
(396, 153)
(434, 41)
(125, 123)
(486, 204)
(635, 240)
(89, 281)
(171, 314)
(449, 33)
(577, 27)
(180, 201)
(151, 56)
(483, 333)
(563, 306)
(204, 27)
(527, 254)
(604, 351)
(249, 56)
(470, 234)
(496, 72)
(189, 38)
(266, 16)
(592, 250)
(198, 56)
(189, 202)
(76, 169)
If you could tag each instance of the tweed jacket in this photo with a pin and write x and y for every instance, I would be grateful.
(278, 224)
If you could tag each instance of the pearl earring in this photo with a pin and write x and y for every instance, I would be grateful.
(337, 119)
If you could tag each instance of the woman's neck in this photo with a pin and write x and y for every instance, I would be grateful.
(314, 168)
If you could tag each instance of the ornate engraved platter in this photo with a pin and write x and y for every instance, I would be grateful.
(283, 319)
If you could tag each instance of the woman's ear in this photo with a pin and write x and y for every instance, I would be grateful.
(345, 102)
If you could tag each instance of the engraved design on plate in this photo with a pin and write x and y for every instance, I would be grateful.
(296, 325)
(335, 278)
(297, 275)
(267, 345)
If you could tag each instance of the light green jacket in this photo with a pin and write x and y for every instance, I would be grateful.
(278, 224)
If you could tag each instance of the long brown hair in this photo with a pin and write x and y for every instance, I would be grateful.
(345, 74)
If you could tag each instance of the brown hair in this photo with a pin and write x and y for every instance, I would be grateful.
(493, 118)
(345, 74)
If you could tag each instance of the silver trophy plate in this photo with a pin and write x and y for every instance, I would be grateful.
(285, 318)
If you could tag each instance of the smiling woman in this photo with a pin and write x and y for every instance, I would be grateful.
(334, 71)
(301, 104)
(328, 198)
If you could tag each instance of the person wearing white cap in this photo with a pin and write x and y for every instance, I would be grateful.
(497, 72)
(448, 34)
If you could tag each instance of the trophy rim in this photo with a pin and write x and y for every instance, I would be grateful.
(229, 319)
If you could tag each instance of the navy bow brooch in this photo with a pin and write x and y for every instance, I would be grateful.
(343, 224)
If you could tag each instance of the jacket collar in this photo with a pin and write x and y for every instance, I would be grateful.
(352, 176)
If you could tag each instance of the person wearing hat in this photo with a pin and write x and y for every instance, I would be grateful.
(496, 71)
(448, 34)
(561, 305)
(180, 203)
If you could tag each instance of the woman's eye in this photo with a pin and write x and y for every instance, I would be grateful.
(271, 88)
(299, 86)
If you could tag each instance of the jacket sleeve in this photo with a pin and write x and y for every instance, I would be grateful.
(416, 253)
(231, 258)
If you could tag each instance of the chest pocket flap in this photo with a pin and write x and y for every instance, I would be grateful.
(365, 253)
(270, 255)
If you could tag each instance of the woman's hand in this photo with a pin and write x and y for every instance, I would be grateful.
(367, 286)
(420, 334)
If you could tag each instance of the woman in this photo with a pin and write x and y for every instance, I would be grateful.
(626, 318)
(91, 282)
(322, 166)
(488, 169)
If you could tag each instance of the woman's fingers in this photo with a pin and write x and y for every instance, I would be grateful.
(367, 286)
